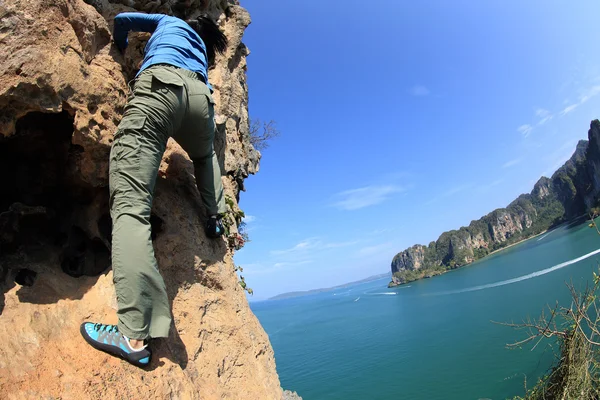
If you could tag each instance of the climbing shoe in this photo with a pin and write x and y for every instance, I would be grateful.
(107, 338)
(214, 226)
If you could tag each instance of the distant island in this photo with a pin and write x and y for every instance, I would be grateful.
(290, 295)
(573, 190)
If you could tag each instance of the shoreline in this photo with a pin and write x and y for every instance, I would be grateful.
(392, 284)
(516, 243)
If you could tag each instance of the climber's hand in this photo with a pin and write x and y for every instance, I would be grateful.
(214, 226)
(120, 47)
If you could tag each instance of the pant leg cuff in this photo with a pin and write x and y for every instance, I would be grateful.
(159, 327)
(131, 334)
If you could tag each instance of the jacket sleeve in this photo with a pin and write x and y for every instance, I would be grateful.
(137, 22)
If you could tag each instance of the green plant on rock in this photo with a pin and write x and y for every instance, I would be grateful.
(242, 283)
(234, 216)
(229, 201)
(239, 216)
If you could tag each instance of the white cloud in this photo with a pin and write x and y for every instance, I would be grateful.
(303, 245)
(261, 269)
(511, 163)
(525, 130)
(592, 92)
(364, 197)
(249, 218)
(313, 244)
(544, 114)
(568, 109)
(420, 90)
(583, 98)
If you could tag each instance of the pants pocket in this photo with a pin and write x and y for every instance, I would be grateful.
(124, 162)
(164, 81)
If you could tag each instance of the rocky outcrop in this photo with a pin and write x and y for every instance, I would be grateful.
(542, 188)
(411, 258)
(504, 224)
(289, 395)
(63, 87)
(573, 189)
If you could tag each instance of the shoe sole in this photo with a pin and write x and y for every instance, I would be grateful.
(110, 349)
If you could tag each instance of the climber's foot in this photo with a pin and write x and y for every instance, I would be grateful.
(107, 338)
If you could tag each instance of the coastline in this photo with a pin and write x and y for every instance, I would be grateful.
(431, 274)
(516, 243)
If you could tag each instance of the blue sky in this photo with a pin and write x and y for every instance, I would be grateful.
(400, 120)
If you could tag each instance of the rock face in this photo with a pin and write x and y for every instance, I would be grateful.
(573, 189)
(63, 87)
(411, 258)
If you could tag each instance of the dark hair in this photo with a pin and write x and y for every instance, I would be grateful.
(214, 40)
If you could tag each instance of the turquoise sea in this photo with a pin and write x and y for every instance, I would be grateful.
(431, 339)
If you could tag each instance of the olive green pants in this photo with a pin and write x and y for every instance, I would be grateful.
(166, 102)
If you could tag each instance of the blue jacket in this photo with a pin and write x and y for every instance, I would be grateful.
(172, 42)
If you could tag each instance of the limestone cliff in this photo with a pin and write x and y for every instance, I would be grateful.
(63, 87)
(573, 189)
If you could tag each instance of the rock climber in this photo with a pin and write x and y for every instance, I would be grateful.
(171, 97)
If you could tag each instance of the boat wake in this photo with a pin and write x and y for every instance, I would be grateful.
(343, 293)
(386, 293)
(524, 277)
(382, 294)
(357, 299)
(543, 236)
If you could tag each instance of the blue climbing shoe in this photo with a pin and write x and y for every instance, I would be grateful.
(107, 338)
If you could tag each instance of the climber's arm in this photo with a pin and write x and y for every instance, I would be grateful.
(137, 22)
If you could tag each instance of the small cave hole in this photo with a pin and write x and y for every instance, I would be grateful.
(25, 277)
(157, 225)
(92, 107)
(41, 196)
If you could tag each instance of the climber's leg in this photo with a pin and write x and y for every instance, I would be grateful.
(152, 114)
(196, 136)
